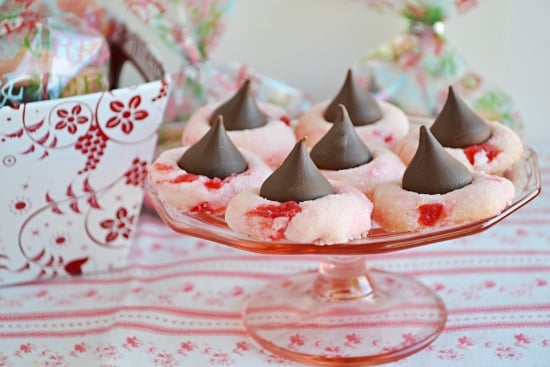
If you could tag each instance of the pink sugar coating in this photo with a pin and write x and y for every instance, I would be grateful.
(384, 167)
(331, 219)
(271, 142)
(384, 133)
(502, 137)
(186, 195)
(396, 209)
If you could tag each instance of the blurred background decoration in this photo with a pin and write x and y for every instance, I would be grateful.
(190, 30)
(415, 68)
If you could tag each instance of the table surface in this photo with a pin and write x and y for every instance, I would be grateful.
(178, 301)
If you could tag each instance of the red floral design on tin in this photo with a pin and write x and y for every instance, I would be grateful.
(75, 267)
(20, 205)
(126, 115)
(92, 145)
(70, 119)
(121, 225)
(163, 91)
(137, 173)
(60, 240)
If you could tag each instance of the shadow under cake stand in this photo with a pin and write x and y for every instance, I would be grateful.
(345, 313)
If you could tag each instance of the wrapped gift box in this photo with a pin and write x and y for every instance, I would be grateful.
(73, 170)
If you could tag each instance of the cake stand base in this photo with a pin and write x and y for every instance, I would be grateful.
(344, 314)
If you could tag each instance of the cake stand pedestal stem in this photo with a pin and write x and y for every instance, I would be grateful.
(342, 278)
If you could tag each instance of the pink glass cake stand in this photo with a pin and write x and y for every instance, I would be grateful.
(345, 313)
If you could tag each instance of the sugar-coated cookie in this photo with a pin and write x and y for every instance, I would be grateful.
(437, 190)
(202, 178)
(486, 146)
(297, 203)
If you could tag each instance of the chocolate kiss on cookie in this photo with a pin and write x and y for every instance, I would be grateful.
(214, 155)
(296, 179)
(341, 147)
(433, 170)
(362, 107)
(241, 111)
(457, 126)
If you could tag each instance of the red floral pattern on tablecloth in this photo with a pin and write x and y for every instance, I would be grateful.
(219, 351)
(178, 302)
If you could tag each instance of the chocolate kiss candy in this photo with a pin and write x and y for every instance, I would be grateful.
(341, 147)
(296, 179)
(457, 126)
(362, 107)
(241, 111)
(433, 170)
(214, 155)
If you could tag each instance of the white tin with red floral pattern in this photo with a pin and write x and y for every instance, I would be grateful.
(72, 173)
